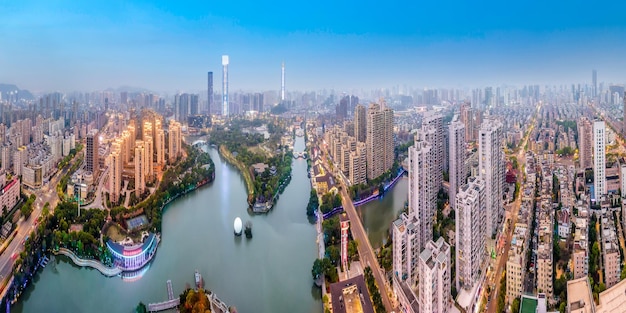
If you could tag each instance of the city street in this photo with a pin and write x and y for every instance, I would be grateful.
(366, 253)
(25, 227)
(501, 259)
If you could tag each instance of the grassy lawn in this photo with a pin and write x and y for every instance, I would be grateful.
(115, 233)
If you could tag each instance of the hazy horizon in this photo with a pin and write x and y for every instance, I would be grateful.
(70, 46)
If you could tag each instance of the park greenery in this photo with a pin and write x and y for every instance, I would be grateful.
(66, 178)
(243, 147)
(566, 151)
(377, 300)
(313, 203)
(53, 232)
(186, 175)
(324, 267)
(329, 202)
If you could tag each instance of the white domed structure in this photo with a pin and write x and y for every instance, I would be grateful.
(238, 226)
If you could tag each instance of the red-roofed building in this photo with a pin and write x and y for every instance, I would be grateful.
(9, 194)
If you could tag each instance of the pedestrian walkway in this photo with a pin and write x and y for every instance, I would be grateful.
(106, 271)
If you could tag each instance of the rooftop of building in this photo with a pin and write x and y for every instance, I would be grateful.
(579, 298)
(351, 296)
(612, 299)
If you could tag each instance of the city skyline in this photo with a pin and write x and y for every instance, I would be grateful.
(72, 46)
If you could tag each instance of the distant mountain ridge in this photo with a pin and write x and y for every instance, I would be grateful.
(24, 94)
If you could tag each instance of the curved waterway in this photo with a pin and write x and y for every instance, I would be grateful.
(378, 215)
(268, 273)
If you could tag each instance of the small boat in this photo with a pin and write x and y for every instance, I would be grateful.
(248, 229)
(199, 281)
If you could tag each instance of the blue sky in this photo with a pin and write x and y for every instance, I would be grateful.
(169, 46)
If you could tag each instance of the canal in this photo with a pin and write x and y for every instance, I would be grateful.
(268, 273)
(378, 215)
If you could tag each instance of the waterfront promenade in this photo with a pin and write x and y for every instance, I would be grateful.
(106, 271)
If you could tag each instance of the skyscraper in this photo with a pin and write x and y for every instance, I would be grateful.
(599, 175)
(458, 171)
(594, 79)
(92, 154)
(379, 140)
(360, 124)
(470, 233)
(282, 82)
(225, 85)
(209, 100)
(491, 170)
(193, 105)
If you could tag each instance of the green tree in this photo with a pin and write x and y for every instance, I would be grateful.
(333, 254)
(318, 269)
(141, 308)
(515, 305)
(353, 250)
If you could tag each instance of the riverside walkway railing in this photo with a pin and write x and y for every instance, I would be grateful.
(339, 209)
(106, 271)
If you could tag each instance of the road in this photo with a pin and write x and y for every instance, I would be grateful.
(501, 259)
(25, 227)
(98, 202)
(366, 253)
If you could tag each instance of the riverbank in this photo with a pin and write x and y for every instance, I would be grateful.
(197, 228)
(230, 158)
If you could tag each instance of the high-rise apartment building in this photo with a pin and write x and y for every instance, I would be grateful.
(434, 277)
(422, 189)
(140, 168)
(115, 165)
(435, 120)
(358, 164)
(585, 145)
(457, 170)
(174, 141)
(159, 148)
(379, 140)
(467, 118)
(492, 170)
(599, 163)
(470, 233)
(91, 153)
(360, 123)
(225, 61)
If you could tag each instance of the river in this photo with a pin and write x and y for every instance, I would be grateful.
(268, 273)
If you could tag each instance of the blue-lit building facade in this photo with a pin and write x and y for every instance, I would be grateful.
(131, 258)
